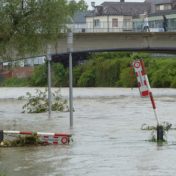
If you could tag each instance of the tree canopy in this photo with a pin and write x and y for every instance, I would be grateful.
(26, 26)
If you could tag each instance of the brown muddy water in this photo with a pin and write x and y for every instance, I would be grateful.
(107, 139)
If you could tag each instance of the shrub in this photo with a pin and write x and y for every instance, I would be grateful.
(17, 82)
(39, 103)
(39, 76)
(87, 79)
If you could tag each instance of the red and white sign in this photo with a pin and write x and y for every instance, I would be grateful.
(143, 83)
(141, 78)
(47, 138)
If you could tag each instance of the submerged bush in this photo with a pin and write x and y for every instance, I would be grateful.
(39, 103)
(22, 141)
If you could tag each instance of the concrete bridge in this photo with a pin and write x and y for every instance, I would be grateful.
(125, 41)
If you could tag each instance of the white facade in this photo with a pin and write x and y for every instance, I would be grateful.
(109, 24)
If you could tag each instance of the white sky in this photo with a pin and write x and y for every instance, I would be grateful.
(98, 2)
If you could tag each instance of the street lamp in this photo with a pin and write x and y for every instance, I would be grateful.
(70, 50)
(48, 58)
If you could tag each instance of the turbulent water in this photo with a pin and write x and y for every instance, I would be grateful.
(107, 139)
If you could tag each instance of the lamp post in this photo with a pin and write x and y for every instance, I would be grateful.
(48, 57)
(70, 50)
(49, 85)
(93, 6)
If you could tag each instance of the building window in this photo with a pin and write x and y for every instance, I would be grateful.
(167, 7)
(97, 23)
(114, 22)
(163, 7)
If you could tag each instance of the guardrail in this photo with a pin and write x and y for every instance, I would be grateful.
(122, 26)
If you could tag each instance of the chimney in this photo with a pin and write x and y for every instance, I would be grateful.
(122, 1)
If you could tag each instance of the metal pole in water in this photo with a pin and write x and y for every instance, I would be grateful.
(1, 135)
(49, 85)
(150, 92)
(70, 49)
(145, 90)
(159, 129)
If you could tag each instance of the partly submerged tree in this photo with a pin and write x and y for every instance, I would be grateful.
(26, 26)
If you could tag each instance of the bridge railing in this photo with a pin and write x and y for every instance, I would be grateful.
(119, 26)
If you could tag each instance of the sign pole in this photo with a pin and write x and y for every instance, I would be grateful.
(70, 50)
(145, 91)
(49, 85)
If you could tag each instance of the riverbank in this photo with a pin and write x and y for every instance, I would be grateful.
(103, 70)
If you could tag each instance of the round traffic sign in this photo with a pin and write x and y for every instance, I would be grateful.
(137, 64)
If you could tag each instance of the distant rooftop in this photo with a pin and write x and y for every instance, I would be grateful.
(160, 1)
(121, 8)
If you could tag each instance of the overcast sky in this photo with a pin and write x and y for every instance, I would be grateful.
(98, 2)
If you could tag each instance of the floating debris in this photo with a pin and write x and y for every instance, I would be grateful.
(166, 126)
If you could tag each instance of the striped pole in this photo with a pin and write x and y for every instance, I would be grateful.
(47, 138)
(150, 92)
(145, 91)
(144, 85)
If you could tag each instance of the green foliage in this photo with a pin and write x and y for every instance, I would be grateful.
(77, 72)
(127, 79)
(18, 82)
(59, 75)
(113, 69)
(87, 79)
(106, 70)
(39, 103)
(166, 74)
(39, 76)
(28, 26)
(74, 6)
(138, 55)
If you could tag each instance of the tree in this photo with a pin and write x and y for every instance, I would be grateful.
(26, 26)
(81, 5)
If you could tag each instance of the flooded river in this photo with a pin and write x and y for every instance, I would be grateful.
(107, 139)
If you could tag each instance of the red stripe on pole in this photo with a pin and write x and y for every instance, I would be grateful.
(55, 142)
(145, 82)
(26, 132)
(143, 67)
(61, 134)
(152, 100)
(144, 93)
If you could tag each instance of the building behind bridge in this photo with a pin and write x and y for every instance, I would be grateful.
(126, 16)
